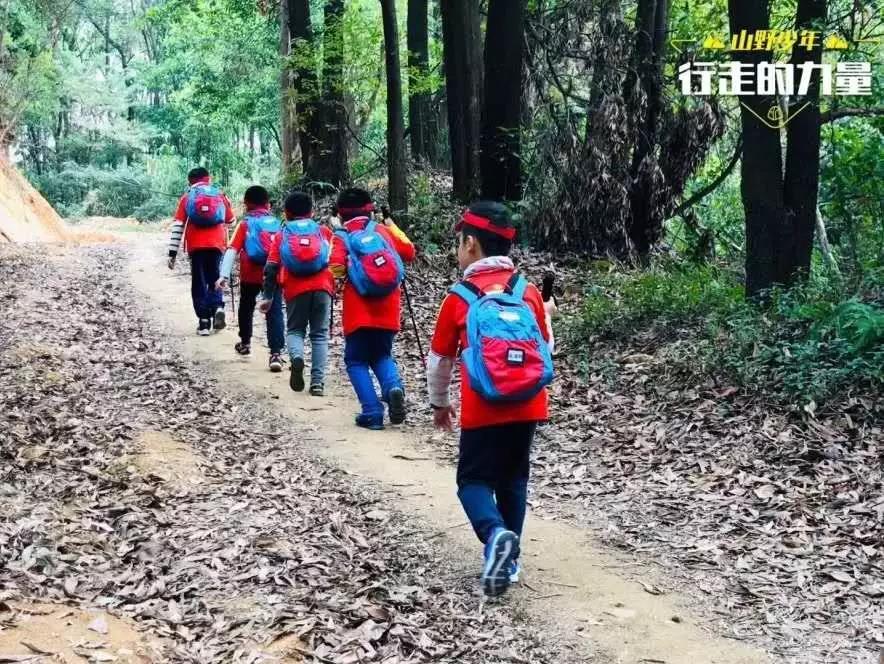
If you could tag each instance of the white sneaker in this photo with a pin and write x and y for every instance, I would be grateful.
(205, 327)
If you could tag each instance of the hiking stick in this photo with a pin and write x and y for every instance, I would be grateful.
(417, 336)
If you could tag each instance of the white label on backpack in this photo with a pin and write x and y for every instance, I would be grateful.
(515, 356)
(204, 208)
(304, 241)
(508, 316)
(380, 261)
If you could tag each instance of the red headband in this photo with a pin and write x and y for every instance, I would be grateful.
(368, 208)
(484, 224)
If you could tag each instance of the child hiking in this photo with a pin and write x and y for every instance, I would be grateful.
(298, 262)
(252, 241)
(201, 218)
(495, 321)
(371, 257)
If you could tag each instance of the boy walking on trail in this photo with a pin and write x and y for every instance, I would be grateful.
(495, 321)
(202, 217)
(298, 261)
(252, 241)
(371, 257)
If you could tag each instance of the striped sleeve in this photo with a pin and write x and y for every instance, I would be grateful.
(175, 238)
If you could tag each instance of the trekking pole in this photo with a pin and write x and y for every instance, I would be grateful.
(232, 296)
(417, 336)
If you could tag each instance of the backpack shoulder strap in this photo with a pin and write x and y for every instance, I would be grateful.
(370, 226)
(517, 285)
(467, 291)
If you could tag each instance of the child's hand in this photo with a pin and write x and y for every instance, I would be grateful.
(221, 284)
(264, 306)
(171, 262)
(443, 417)
(550, 307)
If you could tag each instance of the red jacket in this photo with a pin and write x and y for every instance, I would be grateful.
(450, 338)
(249, 271)
(296, 284)
(197, 237)
(380, 313)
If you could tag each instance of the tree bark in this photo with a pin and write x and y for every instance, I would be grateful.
(501, 163)
(287, 95)
(460, 36)
(801, 185)
(762, 167)
(396, 169)
(331, 164)
(423, 140)
(303, 48)
(652, 24)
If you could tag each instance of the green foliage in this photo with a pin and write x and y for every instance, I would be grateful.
(810, 344)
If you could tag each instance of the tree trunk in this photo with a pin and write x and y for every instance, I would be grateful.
(423, 142)
(331, 164)
(287, 96)
(762, 167)
(460, 36)
(801, 186)
(652, 24)
(306, 88)
(396, 170)
(501, 164)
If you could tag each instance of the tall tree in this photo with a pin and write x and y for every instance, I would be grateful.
(501, 163)
(420, 119)
(289, 147)
(331, 165)
(461, 37)
(780, 208)
(396, 168)
(306, 88)
(652, 25)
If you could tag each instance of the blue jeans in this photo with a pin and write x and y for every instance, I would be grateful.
(370, 350)
(492, 476)
(248, 296)
(205, 269)
(312, 308)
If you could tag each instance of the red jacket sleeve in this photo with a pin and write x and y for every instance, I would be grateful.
(338, 260)
(273, 254)
(228, 211)
(400, 242)
(180, 211)
(535, 301)
(446, 336)
(239, 235)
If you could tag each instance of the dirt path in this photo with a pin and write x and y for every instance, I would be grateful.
(572, 582)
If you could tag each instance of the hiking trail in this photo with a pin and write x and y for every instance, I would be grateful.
(572, 584)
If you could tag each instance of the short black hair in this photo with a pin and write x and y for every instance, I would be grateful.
(197, 174)
(298, 204)
(256, 195)
(352, 198)
(498, 215)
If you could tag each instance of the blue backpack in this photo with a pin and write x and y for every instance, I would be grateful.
(304, 250)
(205, 205)
(506, 358)
(260, 230)
(374, 267)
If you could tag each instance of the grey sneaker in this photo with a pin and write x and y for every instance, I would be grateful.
(205, 327)
(220, 321)
(397, 406)
(296, 378)
(317, 390)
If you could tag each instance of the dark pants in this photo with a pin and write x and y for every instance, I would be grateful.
(492, 476)
(248, 297)
(368, 351)
(205, 270)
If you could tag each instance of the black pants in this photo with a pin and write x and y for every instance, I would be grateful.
(248, 297)
(205, 269)
(492, 476)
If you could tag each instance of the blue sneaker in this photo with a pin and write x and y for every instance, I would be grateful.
(500, 552)
(515, 572)
(373, 422)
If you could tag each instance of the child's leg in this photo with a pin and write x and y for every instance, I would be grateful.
(248, 295)
(276, 325)
(320, 312)
(383, 364)
(215, 296)
(512, 490)
(298, 313)
(357, 358)
(476, 475)
(198, 287)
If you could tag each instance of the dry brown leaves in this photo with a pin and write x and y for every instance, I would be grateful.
(269, 554)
